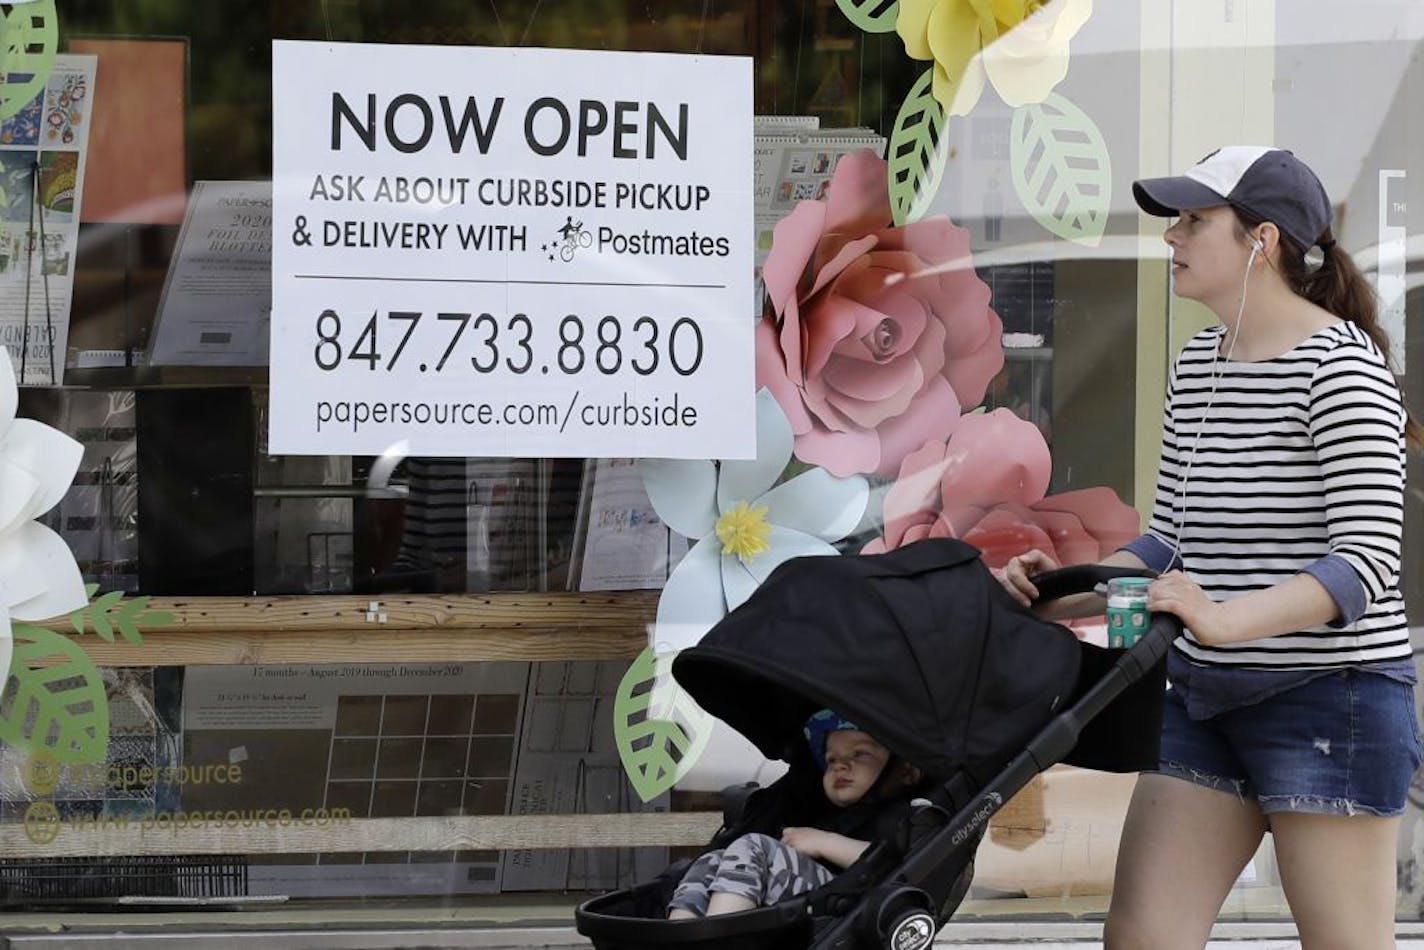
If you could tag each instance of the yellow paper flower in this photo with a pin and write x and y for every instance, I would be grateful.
(1021, 45)
(744, 531)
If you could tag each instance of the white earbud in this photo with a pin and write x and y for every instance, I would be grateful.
(1256, 248)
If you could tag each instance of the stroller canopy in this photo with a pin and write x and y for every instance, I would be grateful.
(920, 646)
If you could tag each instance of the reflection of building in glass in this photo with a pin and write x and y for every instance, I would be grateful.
(1090, 330)
(993, 211)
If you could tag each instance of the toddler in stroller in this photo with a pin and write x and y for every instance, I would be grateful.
(869, 787)
(925, 650)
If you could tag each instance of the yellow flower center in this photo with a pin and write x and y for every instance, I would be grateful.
(743, 531)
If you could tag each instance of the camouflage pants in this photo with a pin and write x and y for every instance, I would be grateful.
(756, 867)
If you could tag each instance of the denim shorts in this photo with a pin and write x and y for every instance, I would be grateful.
(1344, 743)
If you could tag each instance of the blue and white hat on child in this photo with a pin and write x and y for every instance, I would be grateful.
(819, 728)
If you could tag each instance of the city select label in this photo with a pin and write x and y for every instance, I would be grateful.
(511, 252)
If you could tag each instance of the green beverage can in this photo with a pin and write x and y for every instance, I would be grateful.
(1128, 616)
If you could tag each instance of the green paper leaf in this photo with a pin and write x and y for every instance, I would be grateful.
(917, 153)
(154, 619)
(660, 732)
(111, 611)
(60, 706)
(1061, 169)
(79, 619)
(96, 615)
(872, 16)
(108, 601)
(31, 38)
(126, 619)
(102, 627)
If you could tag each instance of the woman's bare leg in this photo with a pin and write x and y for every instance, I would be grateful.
(1338, 874)
(1183, 846)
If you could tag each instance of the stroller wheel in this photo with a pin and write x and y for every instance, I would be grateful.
(904, 921)
(914, 930)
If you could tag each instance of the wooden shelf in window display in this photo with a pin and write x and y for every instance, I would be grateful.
(132, 837)
(367, 629)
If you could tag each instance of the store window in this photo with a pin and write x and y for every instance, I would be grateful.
(441, 675)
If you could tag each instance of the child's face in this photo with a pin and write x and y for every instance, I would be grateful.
(853, 763)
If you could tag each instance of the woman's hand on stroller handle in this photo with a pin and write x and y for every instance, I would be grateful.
(1176, 593)
(1035, 580)
(1016, 575)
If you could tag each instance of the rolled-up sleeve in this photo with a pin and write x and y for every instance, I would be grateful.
(1357, 427)
(1153, 551)
(1158, 547)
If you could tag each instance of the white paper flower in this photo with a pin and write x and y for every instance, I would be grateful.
(745, 526)
(38, 576)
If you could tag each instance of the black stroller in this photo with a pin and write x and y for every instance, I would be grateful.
(923, 648)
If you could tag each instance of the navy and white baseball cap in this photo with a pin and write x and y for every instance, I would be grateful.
(1268, 183)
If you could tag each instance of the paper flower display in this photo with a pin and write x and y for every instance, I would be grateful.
(877, 337)
(987, 486)
(38, 576)
(1021, 45)
(745, 524)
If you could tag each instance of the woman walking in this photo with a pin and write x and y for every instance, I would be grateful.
(1277, 527)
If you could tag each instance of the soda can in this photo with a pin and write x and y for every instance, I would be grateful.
(1128, 616)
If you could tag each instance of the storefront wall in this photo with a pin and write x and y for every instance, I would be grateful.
(406, 680)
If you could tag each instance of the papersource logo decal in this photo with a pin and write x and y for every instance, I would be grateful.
(41, 776)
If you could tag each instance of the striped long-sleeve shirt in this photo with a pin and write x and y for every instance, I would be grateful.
(1297, 467)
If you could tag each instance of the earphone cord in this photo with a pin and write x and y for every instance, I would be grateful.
(1179, 497)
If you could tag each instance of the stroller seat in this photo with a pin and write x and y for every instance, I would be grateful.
(924, 649)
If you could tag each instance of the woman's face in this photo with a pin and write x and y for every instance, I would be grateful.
(1209, 255)
(853, 763)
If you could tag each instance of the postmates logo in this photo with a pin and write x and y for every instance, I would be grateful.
(571, 237)
(575, 236)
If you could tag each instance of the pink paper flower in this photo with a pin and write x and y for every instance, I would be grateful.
(878, 336)
(986, 485)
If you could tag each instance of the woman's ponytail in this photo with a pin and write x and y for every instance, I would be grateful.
(1338, 287)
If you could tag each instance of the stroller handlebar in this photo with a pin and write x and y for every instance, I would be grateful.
(1151, 648)
(1080, 579)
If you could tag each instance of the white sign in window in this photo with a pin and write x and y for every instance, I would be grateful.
(511, 252)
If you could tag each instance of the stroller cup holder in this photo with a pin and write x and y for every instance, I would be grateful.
(923, 648)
